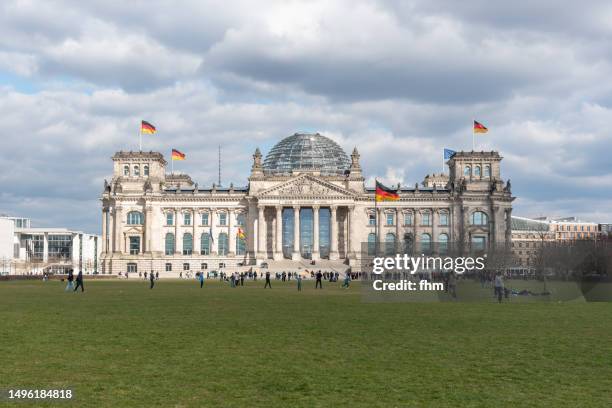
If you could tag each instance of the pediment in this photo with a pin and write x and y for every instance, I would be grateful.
(306, 186)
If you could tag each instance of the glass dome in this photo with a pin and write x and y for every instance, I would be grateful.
(304, 151)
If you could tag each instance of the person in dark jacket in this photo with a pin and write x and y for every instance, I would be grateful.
(268, 283)
(79, 282)
(69, 286)
(318, 283)
(152, 278)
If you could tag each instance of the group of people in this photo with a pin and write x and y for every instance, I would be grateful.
(79, 281)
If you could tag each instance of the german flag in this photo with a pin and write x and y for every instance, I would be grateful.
(146, 127)
(176, 155)
(479, 128)
(241, 233)
(384, 193)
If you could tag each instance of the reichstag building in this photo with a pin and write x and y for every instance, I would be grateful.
(306, 201)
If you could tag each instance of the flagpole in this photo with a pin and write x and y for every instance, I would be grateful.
(473, 136)
(375, 219)
(140, 138)
(171, 164)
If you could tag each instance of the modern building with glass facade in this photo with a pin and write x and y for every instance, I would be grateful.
(305, 201)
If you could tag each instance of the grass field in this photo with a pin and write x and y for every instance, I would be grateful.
(120, 344)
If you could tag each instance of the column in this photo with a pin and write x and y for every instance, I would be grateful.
(296, 233)
(231, 251)
(148, 233)
(380, 239)
(196, 237)
(118, 223)
(434, 228)
(333, 251)
(109, 232)
(315, 232)
(177, 249)
(354, 244)
(278, 254)
(261, 237)
(104, 227)
(398, 237)
(214, 245)
(45, 247)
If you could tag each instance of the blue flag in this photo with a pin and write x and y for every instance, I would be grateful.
(448, 153)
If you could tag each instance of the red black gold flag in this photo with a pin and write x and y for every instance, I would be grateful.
(176, 155)
(479, 128)
(384, 193)
(146, 127)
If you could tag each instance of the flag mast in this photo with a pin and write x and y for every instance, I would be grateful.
(140, 138)
(171, 163)
(375, 218)
(473, 135)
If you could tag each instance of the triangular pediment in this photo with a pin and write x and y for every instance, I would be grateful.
(306, 186)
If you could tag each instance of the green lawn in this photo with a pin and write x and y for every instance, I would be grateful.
(120, 344)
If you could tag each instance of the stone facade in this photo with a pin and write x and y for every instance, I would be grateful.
(164, 222)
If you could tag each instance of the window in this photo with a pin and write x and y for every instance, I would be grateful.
(408, 219)
(204, 218)
(487, 171)
(467, 171)
(204, 266)
(426, 219)
(371, 219)
(479, 218)
(223, 244)
(443, 243)
(169, 243)
(221, 265)
(168, 267)
(185, 266)
(135, 218)
(187, 244)
(134, 245)
(145, 170)
(126, 170)
(479, 243)
(371, 244)
(240, 220)
(223, 219)
(205, 244)
(389, 244)
(477, 171)
(137, 170)
(390, 219)
(240, 246)
(169, 218)
(132, 267)
(186, 218)
(444, 219)
(425, 242)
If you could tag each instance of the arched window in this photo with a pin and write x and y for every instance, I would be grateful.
(240, 246)
(137, 170)
(223, 244)
(477, 171)
(187, 243)
(443, 243)
(467, 171)
(487, 171)
(371, 244)
(135, 218)
(425, 242)
(126, 170)
(408, 243)
(389, 243)
(479, 218)
(146, 170)
(444, 219)
(205, 244)
(169, 243)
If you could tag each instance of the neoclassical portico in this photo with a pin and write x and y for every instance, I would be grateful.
(307, 201)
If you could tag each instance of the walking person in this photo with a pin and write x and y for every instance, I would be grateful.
(499, 287)
(152, 279)
(318, 283)
(79, 282)
(241, 279)
(201, 279)
(298, 278)
(347, 280)
(268, 283)
(70, 278)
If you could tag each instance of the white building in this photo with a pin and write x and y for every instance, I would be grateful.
(24, 249)
(307, 201)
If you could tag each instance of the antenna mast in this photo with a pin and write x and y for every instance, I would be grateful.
(219, 165)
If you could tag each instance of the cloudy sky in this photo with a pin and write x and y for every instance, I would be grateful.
(399, 80)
